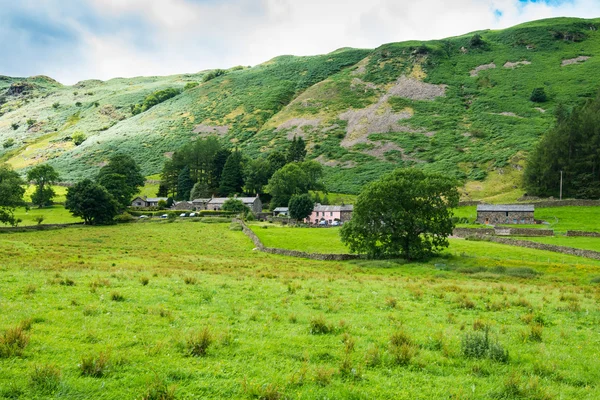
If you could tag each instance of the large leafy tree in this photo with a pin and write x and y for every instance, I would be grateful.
(256, 175)
(236, 206)
(11, 194)
(407, 213)
(300, 206)
(573, 147)
(288, 181)
(116, 185)
(122, 164)
(43, 176)
(91, 202)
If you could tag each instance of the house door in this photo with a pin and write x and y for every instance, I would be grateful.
(487, 221)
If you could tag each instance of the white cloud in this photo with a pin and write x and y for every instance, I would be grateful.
(190, 35)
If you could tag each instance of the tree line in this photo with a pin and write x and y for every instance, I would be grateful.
(571, 146)
(204, 168)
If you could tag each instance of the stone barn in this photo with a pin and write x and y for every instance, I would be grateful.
(505, 214)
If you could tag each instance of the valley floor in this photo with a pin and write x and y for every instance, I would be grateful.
(142, 293)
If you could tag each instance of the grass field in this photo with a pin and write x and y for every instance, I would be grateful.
(56, 214)
(129, 311)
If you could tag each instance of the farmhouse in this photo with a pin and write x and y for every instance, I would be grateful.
(281, 212)
(505, 214)
(253, 203)
(330, 214)
(139, 202)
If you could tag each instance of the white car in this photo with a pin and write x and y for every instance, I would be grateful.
(143, 216)
(335, 223)
(323, 223)
(164, 216)
(192, 214)
(182, 215)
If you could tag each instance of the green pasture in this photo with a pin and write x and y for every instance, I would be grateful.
(56, 214)
(191, 310)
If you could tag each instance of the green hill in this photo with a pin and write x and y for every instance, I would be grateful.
(459, 105)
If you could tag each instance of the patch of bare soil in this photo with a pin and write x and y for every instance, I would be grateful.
(169, 154)
(514, 65)
(362, 67)
(475, 72)
(380, 118)
(414, 89)
(297, 126)
(334, 163)
(211, 129)
(110, 111)
(575, 60)
(540, 109)
(358, 84)
(507, 114)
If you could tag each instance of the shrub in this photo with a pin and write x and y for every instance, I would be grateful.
(78, 104)
(124, 218)
(15, 126)
(213, 74)
(45, 378)
(78, 138)
(13, 341)
(94, 366)
(190, 85)
(31, 122)
(10, 142)
(39, 219)
(538, 95)
(476, 41)
(319, 326)
(197, 343)
(56, 105)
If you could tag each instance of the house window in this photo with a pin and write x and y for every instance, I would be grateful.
(507, 213)
(331, 214)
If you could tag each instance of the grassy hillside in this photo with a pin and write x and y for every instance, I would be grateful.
(450, 105)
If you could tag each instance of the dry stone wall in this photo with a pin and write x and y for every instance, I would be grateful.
(542, 246)
(583, 234)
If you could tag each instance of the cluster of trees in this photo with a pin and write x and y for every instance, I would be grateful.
(573, 147)
(99, 201)
(11, 194)
(204, 168)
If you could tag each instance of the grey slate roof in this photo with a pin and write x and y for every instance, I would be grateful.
(320, 208)
(506, 207)
(221, 200)
(200, 201)
(281, 209)
(156, 199)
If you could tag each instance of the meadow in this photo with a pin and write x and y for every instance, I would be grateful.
(187, 309)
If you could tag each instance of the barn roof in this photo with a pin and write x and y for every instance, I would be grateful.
(506, 207)
(156, 199)
(222, 200)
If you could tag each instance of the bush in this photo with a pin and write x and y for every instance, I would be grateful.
(197, 343)
(213, 74)
(31, 122)
(94, 366)
(538, 95)
(476, 41)
(55, 105)
(124, 218)
(15, 126)
(190, 85)
(10, 142)
(78, 138)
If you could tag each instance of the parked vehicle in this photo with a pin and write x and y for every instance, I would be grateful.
(164, 216)
(323, 223)
(192, 214)
(335, 223)
(183, 215)
(143, 216)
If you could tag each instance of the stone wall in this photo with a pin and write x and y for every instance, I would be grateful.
(293, 253)
(565, 203)
(527, 232)
(466, 232)
(542, 246)
(583, 234)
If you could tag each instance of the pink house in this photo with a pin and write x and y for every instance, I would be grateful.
(329, 214)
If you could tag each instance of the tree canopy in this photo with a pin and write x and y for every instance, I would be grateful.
(407, 213)
(236, 206)
(572, 146)
(296, 150)
(91, 202)
(232, 180)
(285, 183)
(11, 194)
(300, 206)
(125, 165)
(43, 176)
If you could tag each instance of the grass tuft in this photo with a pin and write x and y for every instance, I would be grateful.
(159, 390)
(197, 343)
(94, 366)
(320, 326)
(45, 378)
(13, 341)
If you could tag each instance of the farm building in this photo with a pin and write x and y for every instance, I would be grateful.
(330, 214)
(281, 212)
(505, 214)
(139, 202)
(253, 203)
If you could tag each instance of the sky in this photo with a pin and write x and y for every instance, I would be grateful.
(74, 40)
